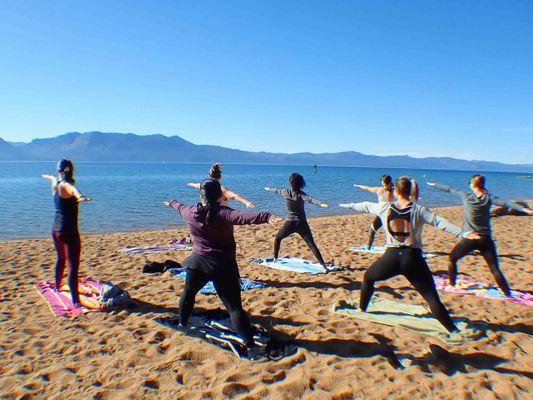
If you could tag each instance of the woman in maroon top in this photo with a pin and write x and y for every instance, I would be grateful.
(213, 255)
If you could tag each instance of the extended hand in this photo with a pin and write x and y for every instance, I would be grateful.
(249, 204)
(49, 177)
(431, 183)
(266, 188)
(324, 205)
(166, 203)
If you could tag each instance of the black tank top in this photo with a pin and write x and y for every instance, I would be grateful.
(403, 214)
(66, 217)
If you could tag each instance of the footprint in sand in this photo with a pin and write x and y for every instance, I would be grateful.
(277, 377)
(234, 389)
(151, 384)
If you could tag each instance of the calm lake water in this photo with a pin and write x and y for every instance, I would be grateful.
(128, 196)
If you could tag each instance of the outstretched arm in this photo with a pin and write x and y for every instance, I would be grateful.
(509, 204)
(234, 196)
(370, 189)
(279, 192)
(433, 219)
(195, 185)
(448, 189)
(312, 200)
(235, 217)
(53, 182)
(364, 207)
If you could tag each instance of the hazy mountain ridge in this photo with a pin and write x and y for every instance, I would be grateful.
(100, 146)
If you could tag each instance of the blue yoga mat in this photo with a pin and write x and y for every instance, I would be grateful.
(209, 288)
(294, 265)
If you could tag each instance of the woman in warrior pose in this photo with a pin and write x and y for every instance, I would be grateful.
(477, 204)
(215, 172)
(296, 220)
(403, 222)
(385, 194)
(65, 228)
(213, 255)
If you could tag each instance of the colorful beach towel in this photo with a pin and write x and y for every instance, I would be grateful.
(408, 316)
(209, 288)
(482, 289)
(381, 250)
(218, 330)
(295, 265)
(157, 248)
(60, 302)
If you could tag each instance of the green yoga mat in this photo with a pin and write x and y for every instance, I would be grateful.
(408, 316)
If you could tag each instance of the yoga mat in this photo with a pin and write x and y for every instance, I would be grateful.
(408, 316)
(60, 302)
(381, 250)
(482, 289)
(294, 265)
(217, 330)
(156, 248)
(209, 288)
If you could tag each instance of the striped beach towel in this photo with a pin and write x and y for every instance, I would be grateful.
(60, 302)
(482, 289)
(209, 288)
(295, 265)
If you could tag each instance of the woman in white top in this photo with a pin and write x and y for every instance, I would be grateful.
(385, 194)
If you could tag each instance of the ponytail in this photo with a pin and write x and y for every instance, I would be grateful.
(386, 181)
(215, 172)
(414, 190)
(210, 192)
(65, 168)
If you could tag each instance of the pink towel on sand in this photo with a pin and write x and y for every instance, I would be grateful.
(60, 302)
(481, 289)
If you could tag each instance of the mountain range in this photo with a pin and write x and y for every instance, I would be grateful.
(103, 146)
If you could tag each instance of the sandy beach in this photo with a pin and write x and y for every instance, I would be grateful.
(126, 355)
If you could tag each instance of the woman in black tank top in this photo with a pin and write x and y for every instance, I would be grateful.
(65, 227)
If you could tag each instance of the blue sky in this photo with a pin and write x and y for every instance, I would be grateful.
(446, 78)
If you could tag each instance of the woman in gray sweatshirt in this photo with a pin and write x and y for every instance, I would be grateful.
(477, 204)
(403, 222)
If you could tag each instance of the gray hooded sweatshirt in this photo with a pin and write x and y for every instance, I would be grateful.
(420, 215)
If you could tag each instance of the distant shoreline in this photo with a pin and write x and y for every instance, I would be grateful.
(274, 165)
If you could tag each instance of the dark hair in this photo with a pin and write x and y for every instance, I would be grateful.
(65, 168)
(478, 181)
(406, 187)
(386, 180)
(297, 182)
(215, 171)
(210, 192)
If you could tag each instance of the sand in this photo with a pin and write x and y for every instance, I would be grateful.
(125, 355)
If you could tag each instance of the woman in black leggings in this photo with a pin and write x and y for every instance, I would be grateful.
(65, 229)
(296, 220)
(213, 254)
(403, 222)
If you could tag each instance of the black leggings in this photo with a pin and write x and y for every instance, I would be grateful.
(303, 229)
(376, 224)
(487, 248)
(406, 261)
(228, 289)
(68, 246)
